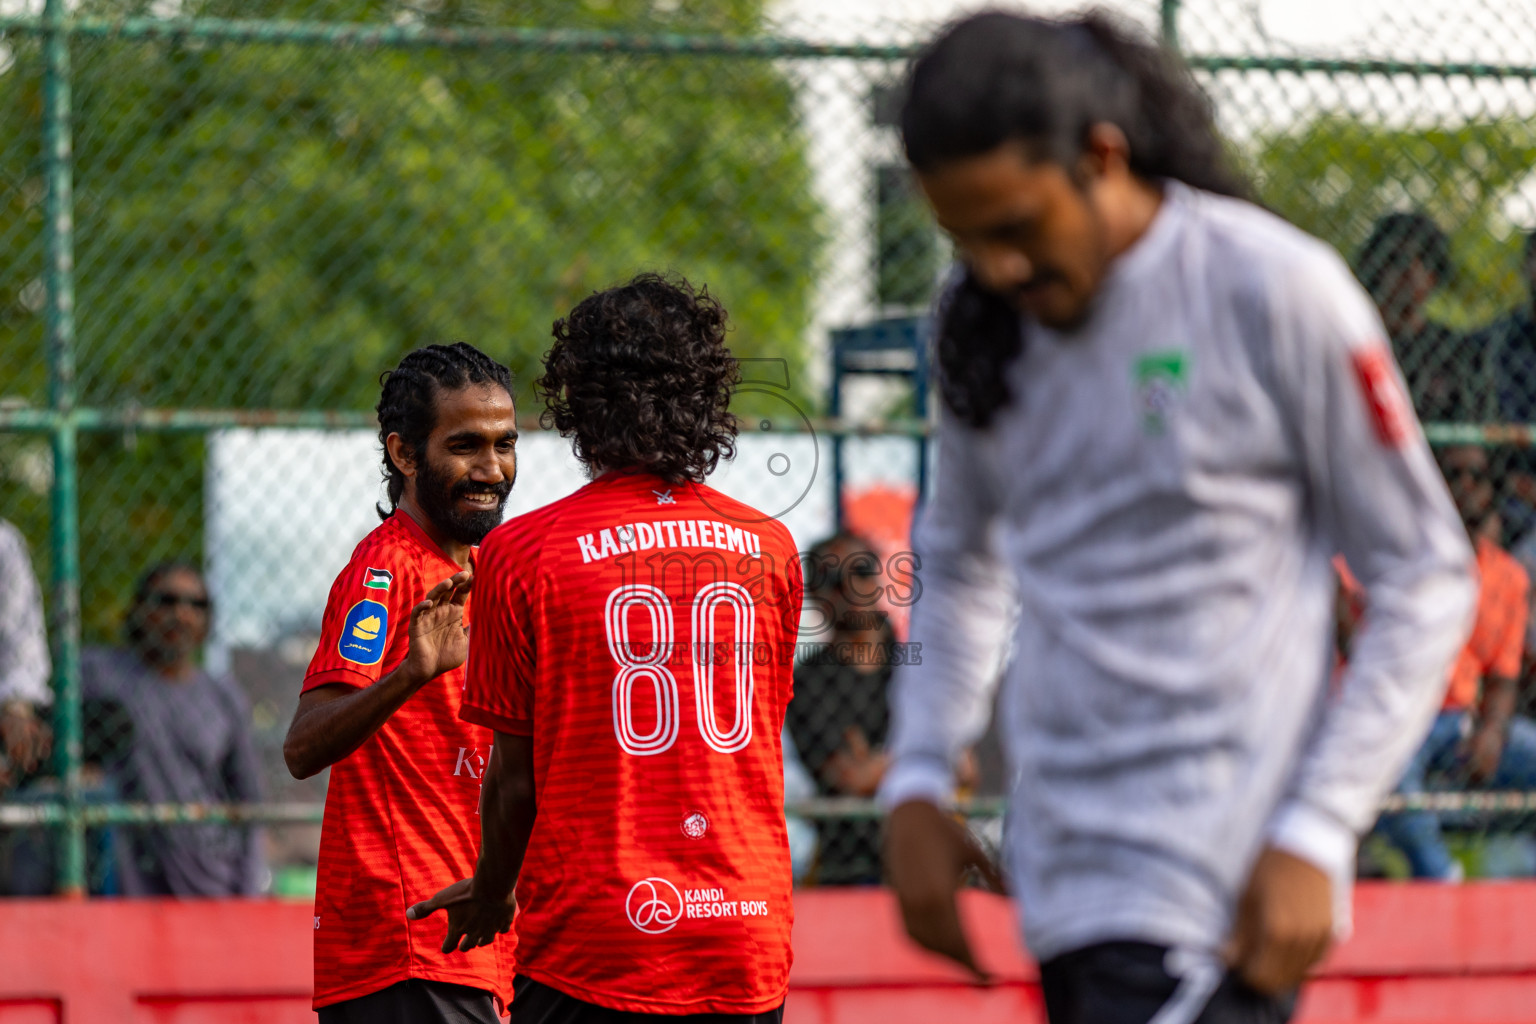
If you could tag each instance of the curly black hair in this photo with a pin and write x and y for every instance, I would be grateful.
(640, 377)
(408, 399)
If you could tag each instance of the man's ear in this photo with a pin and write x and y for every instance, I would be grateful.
(1105, 151)
(401, 454)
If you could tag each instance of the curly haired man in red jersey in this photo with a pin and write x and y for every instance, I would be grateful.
(632, 650)
(381, 704)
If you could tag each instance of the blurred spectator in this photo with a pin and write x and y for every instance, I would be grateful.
(1405, 259)
(24, 666)
(1477, 738)
(30, 856)
(838, 717)
(798, 786)
(1512, 340)
(1511, 343)
(191, 743)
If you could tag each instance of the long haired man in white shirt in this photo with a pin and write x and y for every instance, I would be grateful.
(1164, 410)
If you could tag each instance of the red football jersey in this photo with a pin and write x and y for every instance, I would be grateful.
(643, 634)
(402, 811)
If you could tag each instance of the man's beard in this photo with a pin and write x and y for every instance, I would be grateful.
(437, 496)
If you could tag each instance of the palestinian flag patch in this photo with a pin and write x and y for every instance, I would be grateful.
(378, 579)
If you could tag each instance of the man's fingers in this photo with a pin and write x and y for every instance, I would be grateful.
(979, 857)
(438, 592)
(447, 590)
(1278, 966)
(450, 896)
(1239, 945)
(987, 868)
(945, 934)
(856, 741)
(1273, 964)
(933, 922)
(426, 908)
(474, 939)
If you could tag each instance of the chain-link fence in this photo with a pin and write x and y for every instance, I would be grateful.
(218, 230)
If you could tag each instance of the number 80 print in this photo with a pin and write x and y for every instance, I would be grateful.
(652, 667)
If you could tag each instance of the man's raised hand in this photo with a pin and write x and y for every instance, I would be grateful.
(439, 638)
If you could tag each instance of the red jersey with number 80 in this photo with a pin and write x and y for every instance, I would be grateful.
(643, 634)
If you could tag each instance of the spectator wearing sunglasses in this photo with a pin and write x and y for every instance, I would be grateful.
(838, 718)
(191, 742)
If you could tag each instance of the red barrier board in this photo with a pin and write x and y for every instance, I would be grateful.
(1420, 953)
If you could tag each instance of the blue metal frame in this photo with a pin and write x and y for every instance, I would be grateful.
(895, 346)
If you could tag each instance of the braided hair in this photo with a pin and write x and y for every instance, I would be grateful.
(995, 78)
(408, 404)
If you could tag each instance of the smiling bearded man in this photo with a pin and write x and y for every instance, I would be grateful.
(381, 703)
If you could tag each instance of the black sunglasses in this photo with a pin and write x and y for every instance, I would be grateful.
(1475, 472)
(837, 575)
(162, 599)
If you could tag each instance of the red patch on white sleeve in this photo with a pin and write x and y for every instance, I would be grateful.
(1390, 413)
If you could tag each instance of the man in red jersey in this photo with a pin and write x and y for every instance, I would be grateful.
(633, 650)
(381, 703)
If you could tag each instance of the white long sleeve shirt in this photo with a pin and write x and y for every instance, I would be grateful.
(1153, 517)
(24, 662)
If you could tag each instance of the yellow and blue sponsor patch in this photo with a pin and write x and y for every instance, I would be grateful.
(364, 633)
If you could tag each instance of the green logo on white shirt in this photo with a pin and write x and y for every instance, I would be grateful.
(1161, 378)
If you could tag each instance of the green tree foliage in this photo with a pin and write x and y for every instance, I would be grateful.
(271, 225)
(1334, 176)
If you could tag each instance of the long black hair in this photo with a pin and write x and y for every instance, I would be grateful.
(408, 399)
(995, 78)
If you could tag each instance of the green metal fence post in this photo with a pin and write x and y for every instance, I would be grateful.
(58, 158)
(1170, 24)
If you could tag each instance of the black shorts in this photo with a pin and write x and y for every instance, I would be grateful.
(415, 1001)
(535, 1003)
(1129, 982)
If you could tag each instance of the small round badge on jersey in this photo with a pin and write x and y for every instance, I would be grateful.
(364, 633)
(695, 825)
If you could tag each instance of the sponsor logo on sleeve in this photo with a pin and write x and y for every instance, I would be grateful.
(378, 579)
(1390, 415)
(364, 633)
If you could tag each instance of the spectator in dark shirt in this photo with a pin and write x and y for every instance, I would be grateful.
(839, 715)
(1512, 339)
(191, 743)
(1405, 259)
(1477, 739)
(1511, 344)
